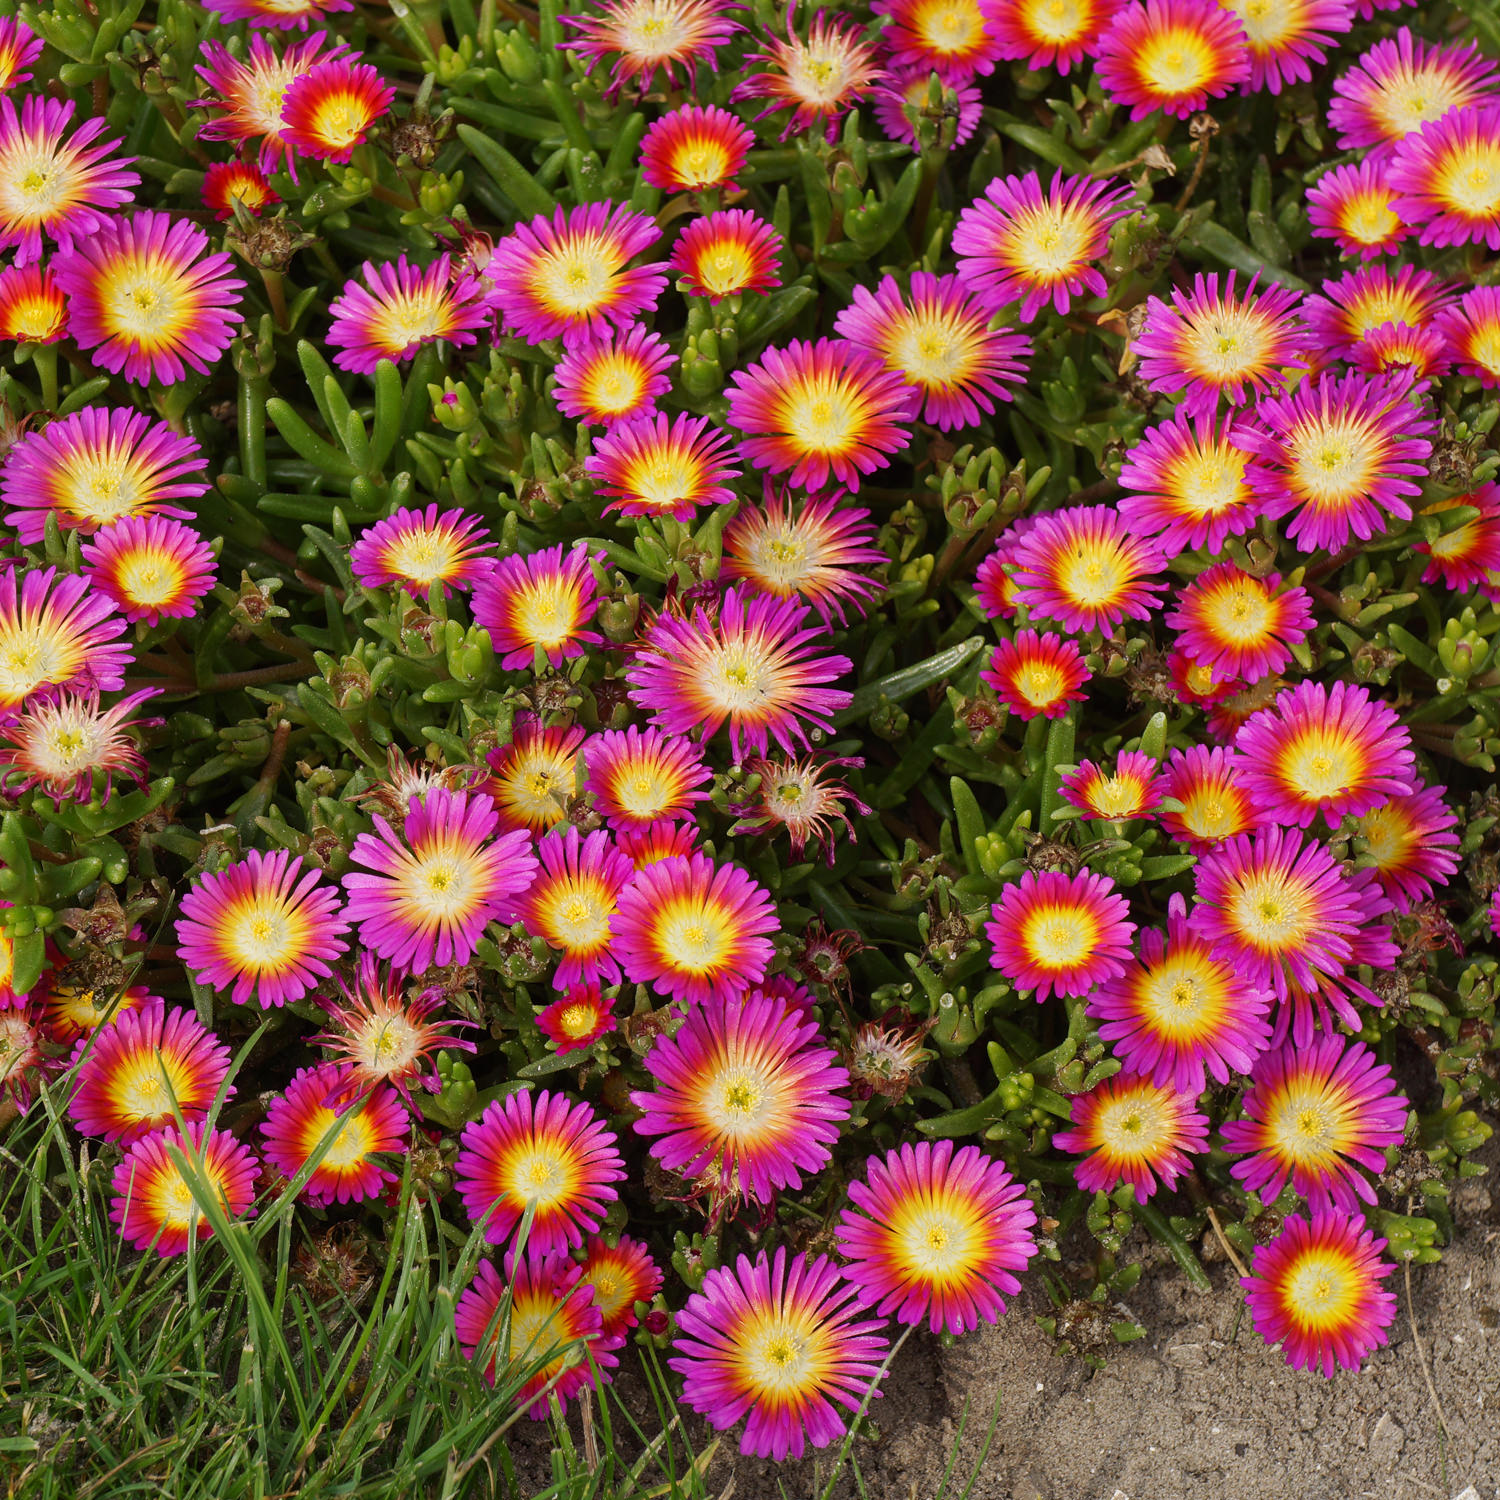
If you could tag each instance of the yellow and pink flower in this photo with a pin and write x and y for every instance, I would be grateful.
(540, 602)
(1413, 845)
(1037, 675)
(1468, 554)
(1048, 33)
(391, 310)
(415, 549)
(693, 149)
(152, 568)
(621, 1275)
(1350, 307)
(19, 48)
(662, 466)
(155, 1205)
(819, 79)
(56, 634)
(643, 36)
(1471, 333)
(328, 110)
(1086, 570)
(1241, 626)
(614, 378)
(1353, 206)
(1057, 934)
(953, 38)
(1131, 790)
(1128, 1129)
(800, 796)
(1171, 55)
(58, 743)
(1214, 806)
(227, 183)
(657, 841)
(277, 15)
(639, 777)
(1286, 38)
(577, 1018)
(534, 778)
(33, 309)
(1446, 178)
(572, 903)
(727, 254)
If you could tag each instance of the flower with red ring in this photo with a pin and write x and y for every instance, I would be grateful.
(577, 1018)
(638, 777)
(1131, 790)
(657, 841)
(1037, 675)
(1348, 308)
(1412, 841)
(154, 1203)
(614, 378)
(1056, 934)
(1084, 569)
(56, 634)
(19, 48)
(1128, 1129)
(1171, 55)
(152, 568)
(533, 778)
(33, 309)
(1471, 333)
(621, 1275)
(393, 309)
(819, 79)
(646, 35)
(1468, 554)
(24, 1062)
(727, 254)
(1214, 806)
(1396, 347)
(662, 466)
(953, 38)
(227, 183)
(571, 904)
(1242, 626)
(1446, 178)
(415, 549)
(539, 601)
(1352, 206)
(1287, 39)
(68, 1008)
(328, 110)
(693, 149)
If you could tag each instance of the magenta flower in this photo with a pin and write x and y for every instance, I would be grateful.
(615, 378)
(541, 601)
(1413, 842)
(1129, 1129)
(1058, 934)
(662, 466)
(415, 549)
(1446, 178)
(819, 79)
(152, 568)
(908, 90)
(19, 48)
(1352, 206)
(1284, 41)
(1084, 569)
(1171, 55)
(1471, 333)
(154, 1204)
(56, 633)
(571, 905)
(643, 36)
(391, 310)
(1238, 625)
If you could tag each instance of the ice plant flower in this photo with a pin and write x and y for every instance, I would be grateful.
(819, 553)
(54, 185)
(68, 1008)
(1352, 206)
(533, 778)
(1037, 675)
(826, 410)
(693, 149)
(1047, 33)
(657, 841)
(152, 568)
(572, 902)
(56, 634)
(329, 109)
(994, 588)
(953, 38)
(544, 1153)
(1084, 569)
(694, 930)
(1349, 307)
(800, 796)
(1129, 1129)
(229, 182)
(1286, 37)
(1181, 1011)
(276, 15)
(819, 79)
(434, 887)
(147, 1061)
(1316, 1113)
(780, 1342)
(1315, 1290)
(1190, 485)
(95, 467)
(1471, 333)
(569, 276)
(662, 466)
(1396, 347)
(58, 743)
(1216, 342)
(639, 776)
(1056, 934)
(1131, 790)
(542, 601)
(745, 1097)
(1446, 178)
(752, 666)
(1024, 243)
(23, 1057)
(415, 549)
(328, 1104)
(577, 1018)
(1215, 806)
(32, 307)
(1413, 845)
(937, 1234)
(727, 254)
(621, 1275)
(938, 341)
(643, 36)
(1171, 55)
(148, 300)
(390, 310)
(19, 48)
(615, 377)
(1241, 625)
(154, 1204)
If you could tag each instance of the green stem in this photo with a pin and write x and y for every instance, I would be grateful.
(44, 357)
(251, 413)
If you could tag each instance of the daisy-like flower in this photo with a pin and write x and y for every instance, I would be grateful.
(1220, 343)
(1315, 1290)
(154, 1204)
(1023, 243)
(363, 1122)
(800, 796)
(1286, 37)
(693, 929)
(1180, 1010)
(533, 778)
(1336, 751)
(1129, 1129)
(229, 182)
(541, 1152)
(1396, 347)
(1131, 790)
(148, 300)
(663, 466)
(644, 35)
(819, 79)
(1471, 333)
(1171, 55)
(23, 1060)
(1467, 554)
(621, 1275)
(657, 841)
(555, 1330)
(828, 411)
(96, 467)
(1047, 33)
(57, 744)
(543, 601)
(905, 91)
(820, 553)
(1214, 805)
(753, 665)
(54, 184)
(32, 307)
(1401, 84)
(577, 1018)
(1351, 306)
(937, 1234)
(276, 15)
(1037, 675)
(638, 777)
(1412, 845)
(1446, 178)
(1346, 452)
(1240, 625)
(570, 277)
(329, 109)
(266, 928)
(780, 1342)
(437, 884)
(56, 634)
(1317, 1114)
(19, 48)
(415, 549)
(953, 38)
(692, 149)
(572, 902)
(727, 254)
(1351, 205)
(939, 342)
(1086, 570)
(68, 1008)
(389, 311)
(139, 1065)
(152, 568)
(614, 378)
(1056, 934)
(1190, 479)
(383, 1037)
(745, 1097)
